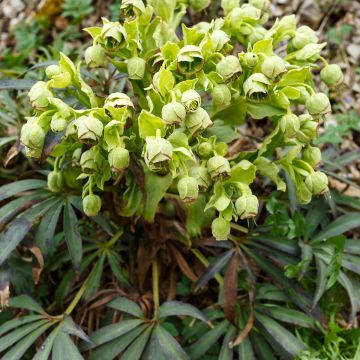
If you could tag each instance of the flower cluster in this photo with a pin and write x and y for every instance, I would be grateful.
(189, 94)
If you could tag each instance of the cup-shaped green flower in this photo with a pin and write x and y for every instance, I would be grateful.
(188, 189)
(220, 228)
(118, 100)
(197, 121)
(58, 123)
(39, 95)
(136, 68)
(229, 68)
(173, 113)
(331, 75)
(251, 59)
(256, 85)
(260, 4)
(218, 39)
(55, 181)
(304, 35)
(221, 95)
(311, 155)
(52, 70)
(119, 159)
(32, 136)
(318, 104)
(202, 177)
(205, 149)
(250, 13)
(89, 128)
(91, 204)
(95, 56)
(190, 60)
(229, 5)
(157, 154)
(132, 8)
(317, 183)
(308, 131)
(191, 99)
(273, 67)
(113, 35)
(90, 161)
(290, 125)
(199, 5)
(218, 167)
(258, 33)
(247, 206)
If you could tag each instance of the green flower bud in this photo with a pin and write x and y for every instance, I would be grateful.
(229, 5)
(95, 56)
(191, 100)
(229, 68)
(260, 4)
(304, 35)
(220, 229)
(119, 159)
(308, 131)
(113, 35)
(218, 39)
(251, 59)
(311, 155)
(218, 168)
(33, 136)
(89, 128)
(55, 181)
(136, 68)
(52, 70)
(331, 75)
(132, 8)
(258, 33)
(317, 183)
(221, 95)
(197, 121)
(76, 155)
(318, 104)
(289, 125)
(273, 67)
(33, 153)
(188, 189)
(256, 85)
(91, 204)
(247, 206)
(173, 113)
(39, 95)
(157, 154)
(198, 5)
(205, 149)
(190, 60)
(249, 13)
(202, 177)
(58, 123)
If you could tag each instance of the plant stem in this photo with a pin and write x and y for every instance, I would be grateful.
(155, 279)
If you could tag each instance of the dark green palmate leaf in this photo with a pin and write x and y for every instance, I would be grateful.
(127, 306)
(177, 308)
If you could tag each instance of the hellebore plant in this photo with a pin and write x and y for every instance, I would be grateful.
(183, 92)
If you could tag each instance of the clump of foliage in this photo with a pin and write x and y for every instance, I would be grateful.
(142, 157)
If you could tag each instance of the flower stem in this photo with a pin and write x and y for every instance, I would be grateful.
(155, 279)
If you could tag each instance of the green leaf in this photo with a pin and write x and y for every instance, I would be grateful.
(116, 268)
(223, 132)
(227, 353)
(156, 187)
(44, 351)
(126, 306)
(65, 349)
(135, 350)
(284, 338)
(19, 333)
(17, 351)
(111, 332)
(170, 347)
(262, 349)
(244, 172)
(263, 46)
(233, 114)
(71, 328)
(339, 226)
(347, 284)
(14, 188)
(149, 123)
(258, 110)
(21, 84)
(72, 235)
(94, 278)
(15, 323)
(206, 341)
(26, 302)
(177, 308)
(114, 347)
(271, 170)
